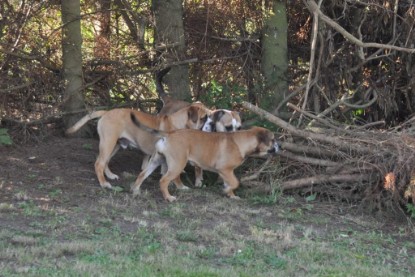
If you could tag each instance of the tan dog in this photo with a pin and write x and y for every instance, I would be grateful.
(115, 126)
(220, 120)
(217, 152)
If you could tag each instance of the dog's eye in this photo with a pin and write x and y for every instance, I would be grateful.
(228, 128)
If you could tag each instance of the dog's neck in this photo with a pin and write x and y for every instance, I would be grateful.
(247, 144)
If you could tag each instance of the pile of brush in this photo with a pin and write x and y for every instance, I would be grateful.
(352, 163)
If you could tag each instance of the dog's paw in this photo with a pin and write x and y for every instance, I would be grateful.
(183, 187)
(235, 197)
(112, 176)
(171, 198)
(136, 192)
(106, 185)
(198, 184)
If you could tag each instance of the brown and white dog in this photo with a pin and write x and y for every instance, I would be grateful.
(216, 152)
(116, 129)
(222, 120)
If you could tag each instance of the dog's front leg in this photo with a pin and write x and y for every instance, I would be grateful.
(199, 176)
(179, 184)
(152, 164)
(230, 182)
(146, 160)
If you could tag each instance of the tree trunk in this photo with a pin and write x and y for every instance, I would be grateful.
(169, 31)
(72, 63)
(102, 50)
(274, 62)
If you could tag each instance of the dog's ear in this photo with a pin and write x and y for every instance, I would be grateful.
(265, 140)
(236, 115)
(264, 137)
(193, 113)
(218, 115)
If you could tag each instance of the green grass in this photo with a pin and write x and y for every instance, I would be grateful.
(203, 234)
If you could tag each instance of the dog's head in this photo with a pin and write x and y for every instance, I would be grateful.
(197, 115)
(223, 121)
(266, 141)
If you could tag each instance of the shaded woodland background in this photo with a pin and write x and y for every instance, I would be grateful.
(358, 94)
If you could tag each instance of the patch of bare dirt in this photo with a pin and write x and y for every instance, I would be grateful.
(59, 172)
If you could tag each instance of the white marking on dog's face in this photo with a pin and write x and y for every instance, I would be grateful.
(275, 148)
(207, 127)
(236, 124)
(228, 122)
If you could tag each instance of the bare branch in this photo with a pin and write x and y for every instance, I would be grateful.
(313, 7)
(308, 160)
(319, 179)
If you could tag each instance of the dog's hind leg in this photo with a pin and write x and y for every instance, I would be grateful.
(164, 184)
(107, 170)
(106, 147)
(230, 182)
(155, 161)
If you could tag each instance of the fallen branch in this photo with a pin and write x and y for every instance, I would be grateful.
(334, 140)
(320, 179)
(308, 160)
(304, 149)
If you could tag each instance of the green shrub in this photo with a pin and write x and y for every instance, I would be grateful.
(5, 138)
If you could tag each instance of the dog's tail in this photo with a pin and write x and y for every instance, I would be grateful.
(84, 120)
(159, 86)
(155, 132)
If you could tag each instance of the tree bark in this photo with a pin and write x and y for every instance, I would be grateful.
(169, 31)
(274, 62)
(72, 63)
(102, 50)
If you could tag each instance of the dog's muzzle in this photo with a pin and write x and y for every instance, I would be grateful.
(208, 126)
(274, 149)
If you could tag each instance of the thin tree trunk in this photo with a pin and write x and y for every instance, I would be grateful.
(72, 63)
(274, 56)
(102, 49)
(169, 31)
